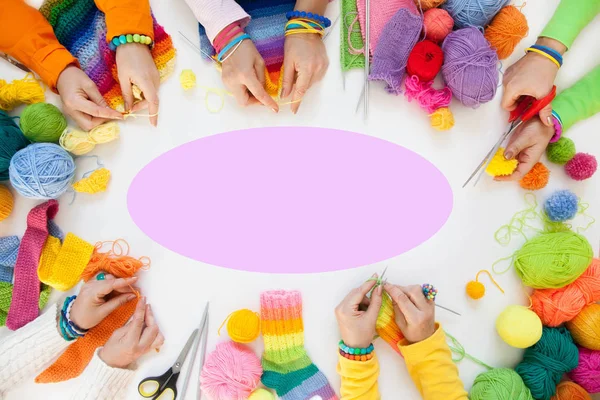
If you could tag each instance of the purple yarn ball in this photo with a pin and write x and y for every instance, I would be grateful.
(470, 67)
(581, 167)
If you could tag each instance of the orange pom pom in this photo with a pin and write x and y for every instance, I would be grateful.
(507, 29)
(537, 178)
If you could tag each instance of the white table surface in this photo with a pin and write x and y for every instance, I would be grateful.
(178, 287)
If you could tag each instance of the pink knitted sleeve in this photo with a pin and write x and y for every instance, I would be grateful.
(215, 15)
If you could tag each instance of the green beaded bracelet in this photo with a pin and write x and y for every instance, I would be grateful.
(129, 38)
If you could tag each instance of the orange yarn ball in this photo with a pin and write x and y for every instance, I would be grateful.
(537, 178)
(570, 391)
(428, 4)
(6, 202)
(475, 290)
(507, 29)
(437, 24)
(585, 327)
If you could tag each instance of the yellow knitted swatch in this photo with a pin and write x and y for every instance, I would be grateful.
(95, 183)
(500, 166)
(48, 258)
(69, 262)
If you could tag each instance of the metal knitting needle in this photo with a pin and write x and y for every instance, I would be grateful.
(367, 56)
(201, 331)
(202, 356)
(447, 309)
(198, 49)
(332, 26)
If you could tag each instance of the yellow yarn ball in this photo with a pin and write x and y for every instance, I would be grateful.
(475, 290)
(442, 119)
(6, 202)
(500, 166)
(519, 327)
(585, 327)
(243, 326)
(187, 79)
(261, 394)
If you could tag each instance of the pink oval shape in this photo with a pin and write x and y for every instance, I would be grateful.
(290, 200)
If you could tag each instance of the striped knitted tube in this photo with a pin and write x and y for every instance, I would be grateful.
(287, 368)
(9, 248)
(387, 329)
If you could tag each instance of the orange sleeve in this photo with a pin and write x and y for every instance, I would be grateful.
(27, 36)
(127, 17)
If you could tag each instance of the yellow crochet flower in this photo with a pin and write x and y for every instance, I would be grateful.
(500, 166)
(95, 183)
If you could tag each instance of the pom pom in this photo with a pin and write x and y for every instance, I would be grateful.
(585, 327)
(581, 167)
(429, 98)
(537, 178)
(475, 290)
(243, 326)
(587, 373)
(570, 391)
(95, 183)
(437, 24)
(519, 327)
(187, 79)
(500, 166)
(6, 202)
(561, 151)
(561, 206)
(476, 13)
(442, 119)
(428, 4)
(42, 122)
(507, 29)
(425, 60)
(499, 384)
(261, 394)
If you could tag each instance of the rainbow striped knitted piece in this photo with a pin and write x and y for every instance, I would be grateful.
(387, 329)
(81, 28)
(286, 367)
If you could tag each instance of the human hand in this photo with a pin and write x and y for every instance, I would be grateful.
(415, 315)
(81, 99)
(97, 299)
(357, 315)
(244, 76)
(305, 63)
(527, 145)
(133, 340)
(135, 66)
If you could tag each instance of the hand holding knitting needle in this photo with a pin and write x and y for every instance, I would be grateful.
(415, 315)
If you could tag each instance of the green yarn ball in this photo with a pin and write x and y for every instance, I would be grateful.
(561, 152)
(553, 260)
(499, 384)
(43, 122)
(11, 141)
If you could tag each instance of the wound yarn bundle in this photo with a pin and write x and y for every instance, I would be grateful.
(425, 61)
(20, 91)
(243, 326)
(507, 29)
(42, 122)
(585, 327)
(78, 142)
(11, 141)
(116, 261)
(519, 327)
(386, 326)
(570, 391)
(587, 373)
(537, 178)
(499, 384)
(581, 167)
(426, 5)
(437, 24)
(473, 13)
(6, 202)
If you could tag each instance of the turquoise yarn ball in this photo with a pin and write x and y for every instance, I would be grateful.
(11, 141)
(42, 122)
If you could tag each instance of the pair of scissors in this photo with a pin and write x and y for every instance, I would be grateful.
(164, 387)
(14, 62)
(527, 108)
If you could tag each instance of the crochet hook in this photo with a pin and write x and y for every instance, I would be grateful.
(198, 49)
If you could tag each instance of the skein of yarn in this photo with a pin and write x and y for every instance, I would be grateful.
(519, 327)
(425, 60)
(41, 171)
(585, 327)
(507, 29)
(437, 24)
(11, 141)
(499, 384)
(570, 391)
(587, 373)
(42, 122)
(20, 91)
(78, 142)
(231, 372)
(475, 13)
(470, 67)
(6, 202)
(426, 5)
(243, 326)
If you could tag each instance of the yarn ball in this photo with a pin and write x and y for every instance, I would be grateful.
(470, 67)
(187, 79)
(553, 260)
(428, 4)
(442, 119)
(507, 29)
(425, 60)
(561, 206)
(537, 178)
(20, 91)
(581, 167)
(476, 13)
(261, 394)
(78, 142)
(42, 122)
(519, 327)
(587, 373)
(585, 327)
(231, 372)
(41, 171)
(499, 384)
(475, 290)
(500, 166)
(570, 391)
(6, 202)
(547, 361)
(556, 306)
(11, 141)
(437, 24)
(243, 326)
(562, 151)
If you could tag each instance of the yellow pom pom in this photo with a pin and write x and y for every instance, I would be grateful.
(442, 119)
(261, 394)
(95, 183)
(475, 290)
(243, 326)
(187, 79)
(519, 327)
(500, 166)
(6, 202)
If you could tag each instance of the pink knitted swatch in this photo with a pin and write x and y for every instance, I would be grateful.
(26, 291)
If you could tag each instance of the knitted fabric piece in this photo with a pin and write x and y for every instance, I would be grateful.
(391, 55)
(386, 326)
(286, 366)
(26, 292)
(348, 58)
(54, 230)
(81, 28)
(61, 267)
(9, 248)
(6, 292)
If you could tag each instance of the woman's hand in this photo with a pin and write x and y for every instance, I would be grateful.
(133, 340)
(135, 66)
(244, 76)
(97, 299)
(357, 315)
(415, 314)
(305, 63)
(81, 99)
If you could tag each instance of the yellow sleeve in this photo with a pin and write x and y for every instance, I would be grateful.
(359, 379)
(430, 366)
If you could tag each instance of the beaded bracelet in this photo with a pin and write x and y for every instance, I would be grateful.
(129, 38)
(68, 329)
(558, 128)
(356, 354)
(546, 54)
(315, 17)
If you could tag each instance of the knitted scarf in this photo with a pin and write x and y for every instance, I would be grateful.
(352, 44)
(9, 248)
(61, 266)
(6, 292)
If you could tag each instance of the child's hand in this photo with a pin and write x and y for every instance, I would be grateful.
(415, 315)
(357, 326)
(97, 299)
(244, 76)
(305, 63)
(81, 99)
(133, 340)
(527, 145)
(135, 66)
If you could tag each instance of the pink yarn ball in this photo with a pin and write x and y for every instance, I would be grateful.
(437, 24)
(582, 166)
(587, 373)
(231, 372)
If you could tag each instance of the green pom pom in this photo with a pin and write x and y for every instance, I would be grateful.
(561, 152)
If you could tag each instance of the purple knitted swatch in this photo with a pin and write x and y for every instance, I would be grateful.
(26, 291)
(396, 42)
(9, 248)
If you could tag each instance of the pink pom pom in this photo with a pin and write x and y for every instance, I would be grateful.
(581, 167)
(429, 98)
(231, 372)
(587, 373)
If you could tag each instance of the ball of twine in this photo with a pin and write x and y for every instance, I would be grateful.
(570, 391)
(425, 60)
(561, 152)
(42, 122)
(519, 327)
(11, 141)
(585, 327)
(475, 13)
(6, 202)
(499, 384)
(507, 29)
(581, 167)
(437, 24)
(587, 373)
(537, 178)
(243, 326)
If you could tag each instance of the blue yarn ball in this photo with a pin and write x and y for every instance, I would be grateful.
(477, 13)
(41, 171)
(561, 206)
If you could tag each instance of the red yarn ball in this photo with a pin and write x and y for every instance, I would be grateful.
(437, 24)
(581, 167)
(425, 60)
